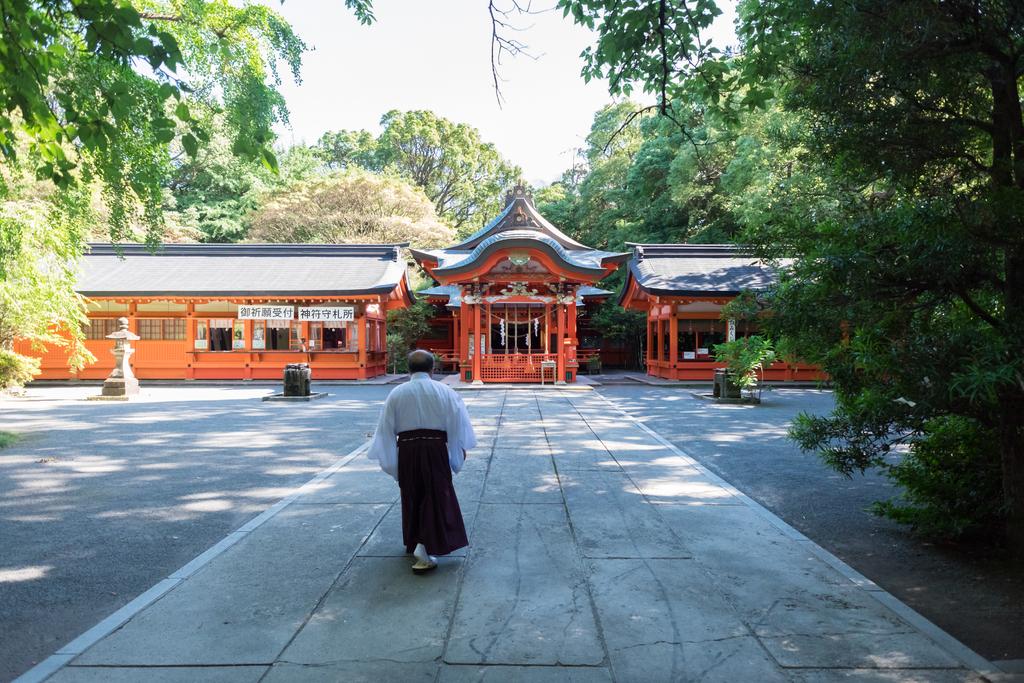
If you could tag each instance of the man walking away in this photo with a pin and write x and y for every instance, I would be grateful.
(422, 437)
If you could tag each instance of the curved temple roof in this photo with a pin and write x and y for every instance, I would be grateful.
(241, 270)
(519, 225)
(697, 269)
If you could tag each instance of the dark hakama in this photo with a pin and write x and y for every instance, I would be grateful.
(430, 510)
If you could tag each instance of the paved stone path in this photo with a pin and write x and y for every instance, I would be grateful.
(599, 553)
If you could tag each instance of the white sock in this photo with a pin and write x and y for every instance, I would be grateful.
(421, 553)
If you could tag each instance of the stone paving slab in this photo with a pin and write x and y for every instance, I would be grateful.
(247, 604)
(631, 564)
(363, 483)
(612, 519)
(524, 598)
(353, 672)
(376, 614)
(664, 620)
(524, 674)
(174, 674)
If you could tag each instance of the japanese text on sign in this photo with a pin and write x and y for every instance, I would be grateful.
(266, 312)
(327, 313)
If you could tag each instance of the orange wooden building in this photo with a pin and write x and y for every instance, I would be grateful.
(514, 291)
(240, 311)
(682, 288)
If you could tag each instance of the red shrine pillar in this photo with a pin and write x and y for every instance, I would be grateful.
(560, 312)
(673, 343)
(570, 311)
(477, 364)
(463, 343)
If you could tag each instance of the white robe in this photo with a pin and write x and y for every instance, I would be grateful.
(421, 403)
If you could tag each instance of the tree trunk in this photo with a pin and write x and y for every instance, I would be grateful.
(1011, 419)
(1008, 172)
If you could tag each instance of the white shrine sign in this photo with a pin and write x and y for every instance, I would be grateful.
(266, 312)
(327, 313)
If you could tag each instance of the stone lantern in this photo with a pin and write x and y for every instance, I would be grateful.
(121, 383)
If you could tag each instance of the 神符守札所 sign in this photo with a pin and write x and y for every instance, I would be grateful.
(266, 312)
(327, 313)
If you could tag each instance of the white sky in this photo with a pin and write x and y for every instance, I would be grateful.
(435, 55)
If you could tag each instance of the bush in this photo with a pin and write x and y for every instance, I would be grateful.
(745, 358)
(16, 370)
(952, 482)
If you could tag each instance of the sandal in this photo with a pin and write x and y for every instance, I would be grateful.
(422, 567)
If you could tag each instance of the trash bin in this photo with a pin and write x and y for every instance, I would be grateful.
(296, 379)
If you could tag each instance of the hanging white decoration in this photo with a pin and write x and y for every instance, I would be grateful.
(501, 330)
(536, 326)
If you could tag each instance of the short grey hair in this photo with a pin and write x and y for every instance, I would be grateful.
(420, 361)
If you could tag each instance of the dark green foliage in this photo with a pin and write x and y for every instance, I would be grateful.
(951, 481)
(464, 176)
(16, 370)
(745, 359)
(405, 327)
(879, 145)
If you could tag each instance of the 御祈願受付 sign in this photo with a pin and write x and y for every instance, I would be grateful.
(266, 312)
(327, 313)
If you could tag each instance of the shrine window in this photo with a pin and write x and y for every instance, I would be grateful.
(164, 329)
(697, 338)
(99, 328)
(332, 336)
(220, 334)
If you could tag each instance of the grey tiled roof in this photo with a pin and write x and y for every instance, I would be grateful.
(241, 270)
(698, 269)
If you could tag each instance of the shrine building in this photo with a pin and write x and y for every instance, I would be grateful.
(512, 303)
(514, 292)
(238, 311)
(682, 288)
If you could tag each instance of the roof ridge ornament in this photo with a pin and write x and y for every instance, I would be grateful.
(519, 191)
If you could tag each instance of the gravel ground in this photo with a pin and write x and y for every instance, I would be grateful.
(978, 599)
(99, 501)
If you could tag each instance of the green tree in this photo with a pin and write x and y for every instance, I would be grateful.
(348, 149)
(464, 176)
(216, 191)
(355, 206)
(42, 232)
(902, 205)
(106, 89)
(405, 327)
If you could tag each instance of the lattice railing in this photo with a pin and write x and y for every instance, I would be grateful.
(514, 367)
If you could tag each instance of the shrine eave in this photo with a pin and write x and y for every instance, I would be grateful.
(243, 271)
(695, 270)
(588, 263)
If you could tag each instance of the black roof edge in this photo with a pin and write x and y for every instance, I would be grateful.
(461, 267)
(641, 250)
(261, 249)
(304, 294)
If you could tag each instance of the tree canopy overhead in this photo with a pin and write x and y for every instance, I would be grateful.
(112, 90)
(350, 207)
(898, 189)
(463, 175)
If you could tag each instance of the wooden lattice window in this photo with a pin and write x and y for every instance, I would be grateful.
(99, 328)
(162, 328)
